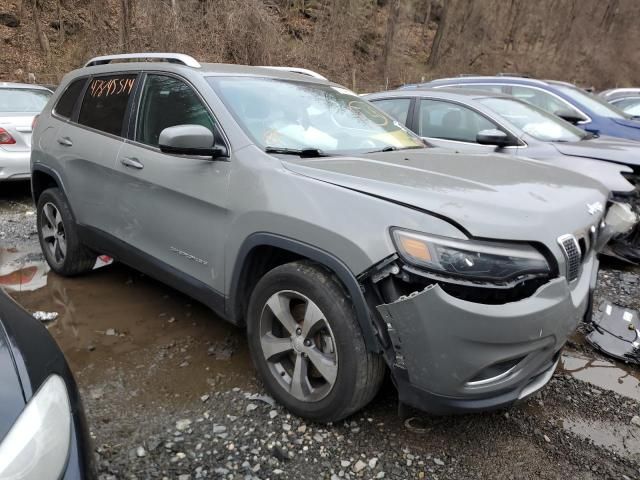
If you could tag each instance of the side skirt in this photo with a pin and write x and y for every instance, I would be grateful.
(103, 242)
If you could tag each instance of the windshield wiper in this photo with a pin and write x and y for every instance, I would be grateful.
(391, 148)
(589, 136)
(302, 153)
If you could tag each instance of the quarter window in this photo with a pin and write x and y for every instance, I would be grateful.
(167, 102)
(397, 108)
(105, 102)
(450, 121)
(68, 100)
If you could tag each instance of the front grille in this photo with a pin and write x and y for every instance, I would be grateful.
(572, 254)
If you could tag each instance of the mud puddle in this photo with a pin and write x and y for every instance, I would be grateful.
(621, 439)
(619, 377)
(125, 334)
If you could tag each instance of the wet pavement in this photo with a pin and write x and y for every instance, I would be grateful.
(145, 356)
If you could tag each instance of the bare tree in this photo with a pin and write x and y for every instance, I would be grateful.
(392, 21)
(60, 21)
(42, 37)
(125, 24)
(442, 25)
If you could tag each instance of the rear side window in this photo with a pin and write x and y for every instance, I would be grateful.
(67, 101)
(397, 108)
(105, 102)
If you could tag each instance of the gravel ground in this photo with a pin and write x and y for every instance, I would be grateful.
(170, 392)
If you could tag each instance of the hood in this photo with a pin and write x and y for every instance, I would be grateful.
(11, 398)
(488, 195)
(610, 149)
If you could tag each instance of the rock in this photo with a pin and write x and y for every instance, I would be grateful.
(219, 429)
(110, 332)
(9, 19)
(345, 463)
(204, 398)
(273, 414)
(635, 420)
(359, 466)
(45, 316)
(546, 439)
(373, 462)
(286, 427)
(141, 452)
(438, 462)
(318, 438)
(380, 475)
(263, 398)
(183, 424)
(184, 476)
(251, 407)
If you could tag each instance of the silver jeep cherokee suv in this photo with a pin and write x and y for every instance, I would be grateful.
(291, 206)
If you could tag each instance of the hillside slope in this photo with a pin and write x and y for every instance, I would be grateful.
(365, 44)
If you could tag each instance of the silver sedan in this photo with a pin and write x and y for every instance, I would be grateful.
(19, 105)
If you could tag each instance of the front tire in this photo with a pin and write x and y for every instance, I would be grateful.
(307, 346)
(58, 236)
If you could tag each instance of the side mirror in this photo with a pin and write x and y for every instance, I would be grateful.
(570, 116)
(494, 137)
(190, 140)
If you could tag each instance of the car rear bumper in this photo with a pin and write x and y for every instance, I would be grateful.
(14, 165)
(454, 356)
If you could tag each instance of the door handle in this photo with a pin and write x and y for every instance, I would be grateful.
(65, 141)
(131, 163)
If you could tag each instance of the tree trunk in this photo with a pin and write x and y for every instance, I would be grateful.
(392, 21)
(442, 25)
(427, 18)
(61, 32)
(42, 37)
(125, 24)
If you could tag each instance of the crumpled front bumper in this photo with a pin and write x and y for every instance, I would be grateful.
(14, 165)
(453, 355)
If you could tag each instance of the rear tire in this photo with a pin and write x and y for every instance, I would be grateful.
(307, 346)
(58, 235)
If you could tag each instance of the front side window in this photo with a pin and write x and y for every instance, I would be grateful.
(68, 100)
(534, 121)
(289, 114)
(542, 99)
(166, 102)
(105, 102)
(397, 108)
(451, 121)
(23, 100)
(591, 102)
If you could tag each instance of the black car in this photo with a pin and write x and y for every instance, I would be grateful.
(43, 432)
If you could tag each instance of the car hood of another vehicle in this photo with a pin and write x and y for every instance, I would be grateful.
(488, 195)
(610, 149)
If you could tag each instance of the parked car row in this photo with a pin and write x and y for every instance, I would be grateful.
(448, 236)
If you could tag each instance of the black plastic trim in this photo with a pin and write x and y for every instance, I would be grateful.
(135, 258)
(337, 266)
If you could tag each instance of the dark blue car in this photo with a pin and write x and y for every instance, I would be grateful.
(573, 104)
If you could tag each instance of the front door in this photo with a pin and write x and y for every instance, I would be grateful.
(173, 208)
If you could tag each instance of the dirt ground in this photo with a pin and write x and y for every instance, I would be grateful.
(169, 391)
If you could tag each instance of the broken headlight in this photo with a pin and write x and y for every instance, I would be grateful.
(470, 259)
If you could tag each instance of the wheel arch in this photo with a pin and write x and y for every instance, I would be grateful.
(251, 263)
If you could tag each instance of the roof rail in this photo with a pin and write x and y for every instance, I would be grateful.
(302, 71)
(509, 74)
(180, 58)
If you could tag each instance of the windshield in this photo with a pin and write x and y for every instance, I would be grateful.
(23, 100)
(591, 102)
(534, 121)
(283, 114)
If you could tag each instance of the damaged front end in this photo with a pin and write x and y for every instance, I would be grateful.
(475, 329)
(625, 243)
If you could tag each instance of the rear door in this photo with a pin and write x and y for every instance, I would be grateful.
(173, 208)
(87, 146)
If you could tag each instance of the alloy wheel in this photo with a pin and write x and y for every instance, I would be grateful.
(53, 235)
(298, 345)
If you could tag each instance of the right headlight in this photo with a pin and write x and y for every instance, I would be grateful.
(470, 259)
(37, 446)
